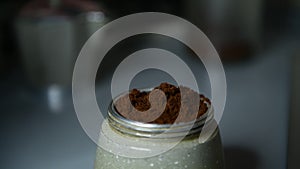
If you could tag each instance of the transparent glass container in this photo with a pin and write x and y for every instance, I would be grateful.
(126, 144)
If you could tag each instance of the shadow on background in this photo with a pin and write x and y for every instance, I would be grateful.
(240, 157)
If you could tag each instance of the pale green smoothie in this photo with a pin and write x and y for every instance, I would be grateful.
(120, 150)
(189, 153)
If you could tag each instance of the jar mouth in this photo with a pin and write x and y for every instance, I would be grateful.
(154, 130)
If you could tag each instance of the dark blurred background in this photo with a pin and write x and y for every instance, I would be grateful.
(258, 42)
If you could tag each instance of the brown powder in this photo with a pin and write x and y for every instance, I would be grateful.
(162, 111)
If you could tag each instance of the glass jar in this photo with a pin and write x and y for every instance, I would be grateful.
(126, 144)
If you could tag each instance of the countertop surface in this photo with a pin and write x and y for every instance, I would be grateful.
(39, 128)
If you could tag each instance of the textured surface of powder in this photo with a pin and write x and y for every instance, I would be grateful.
(182, 105)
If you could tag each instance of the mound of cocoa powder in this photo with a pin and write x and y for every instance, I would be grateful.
(143, 112)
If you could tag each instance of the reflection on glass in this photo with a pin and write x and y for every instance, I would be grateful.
(54, 97)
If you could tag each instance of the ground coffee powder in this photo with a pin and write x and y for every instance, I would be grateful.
(138, 107)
